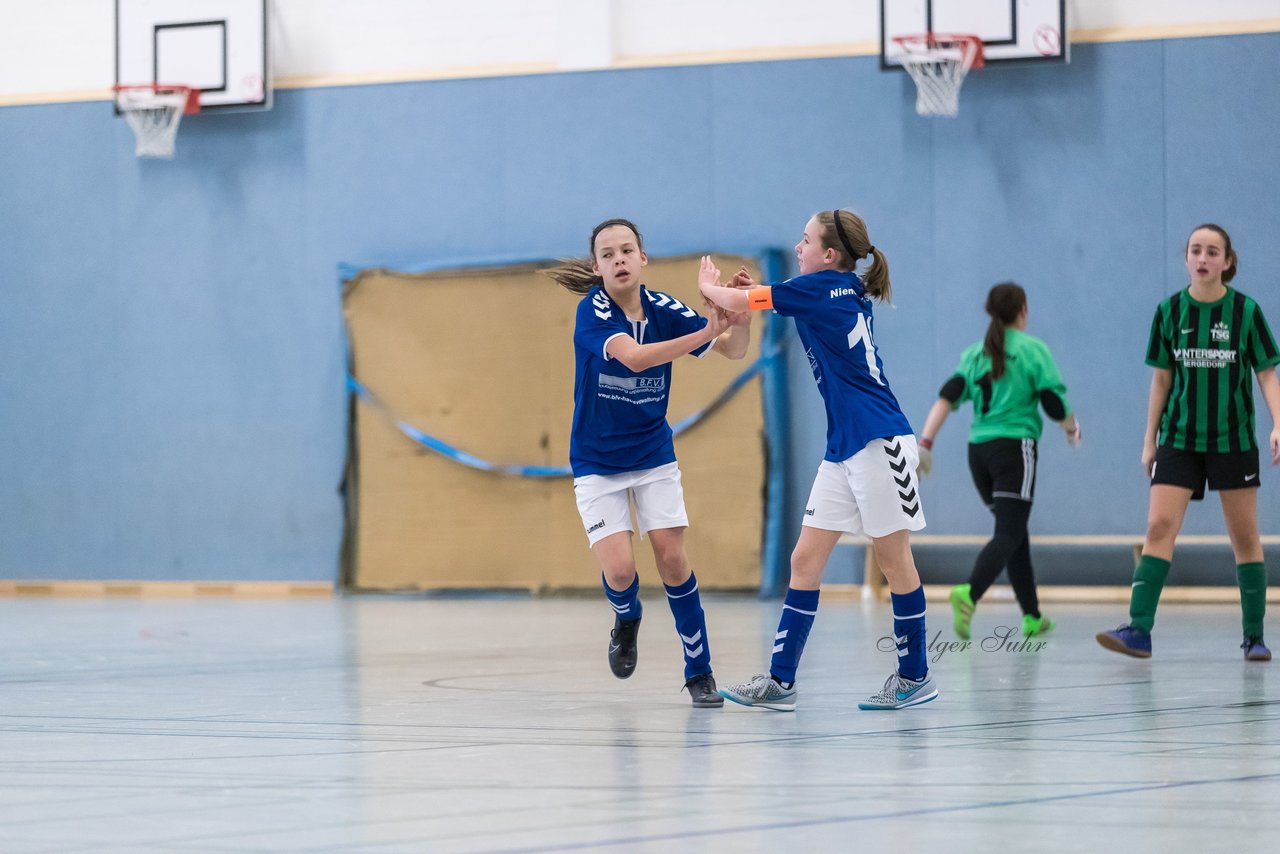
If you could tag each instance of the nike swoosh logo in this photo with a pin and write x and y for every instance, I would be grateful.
(1187, 331)
(1136, 583)
(1250, 476)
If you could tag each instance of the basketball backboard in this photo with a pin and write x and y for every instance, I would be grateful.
(1011, 30)
(218, 47)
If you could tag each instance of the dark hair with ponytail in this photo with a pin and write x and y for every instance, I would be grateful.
(1229, 274)
(851, 242)
(1005, 303)
(578, 274)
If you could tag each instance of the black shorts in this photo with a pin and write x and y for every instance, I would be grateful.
(1190, 470)
(1004, 468)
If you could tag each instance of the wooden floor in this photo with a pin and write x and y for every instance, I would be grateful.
(365, 724)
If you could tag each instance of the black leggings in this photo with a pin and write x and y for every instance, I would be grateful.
(1009, 547)
(1004, 471)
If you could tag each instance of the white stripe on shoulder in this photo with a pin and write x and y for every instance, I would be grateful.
(658, 298)
(604, 348)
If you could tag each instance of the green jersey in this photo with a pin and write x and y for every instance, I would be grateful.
(1213, 350)
(1009, 408)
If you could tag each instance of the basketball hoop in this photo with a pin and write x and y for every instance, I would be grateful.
(938, 63)
(153, 111)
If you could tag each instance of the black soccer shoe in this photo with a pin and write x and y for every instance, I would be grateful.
(703, 693)
(622, 647)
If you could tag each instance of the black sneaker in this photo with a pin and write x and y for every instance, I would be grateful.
(622, 647)
(703, 693)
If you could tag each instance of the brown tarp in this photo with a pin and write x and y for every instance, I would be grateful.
(483, 360)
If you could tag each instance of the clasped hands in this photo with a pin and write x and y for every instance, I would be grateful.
(709, 274)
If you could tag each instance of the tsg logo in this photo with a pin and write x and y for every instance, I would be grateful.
(1220, 332)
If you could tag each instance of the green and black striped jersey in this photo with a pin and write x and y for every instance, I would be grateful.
(1213, 350)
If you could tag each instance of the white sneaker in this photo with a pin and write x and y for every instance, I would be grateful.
(762, 691)
(899, 692)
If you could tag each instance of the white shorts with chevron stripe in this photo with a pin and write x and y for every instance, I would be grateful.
(874, 492)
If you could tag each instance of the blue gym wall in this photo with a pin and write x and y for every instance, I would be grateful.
(171, 352)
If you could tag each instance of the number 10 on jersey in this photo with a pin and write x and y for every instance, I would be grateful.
(861, 332)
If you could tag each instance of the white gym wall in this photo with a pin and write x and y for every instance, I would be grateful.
(60, 50)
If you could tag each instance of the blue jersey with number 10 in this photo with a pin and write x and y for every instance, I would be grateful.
(833, 317)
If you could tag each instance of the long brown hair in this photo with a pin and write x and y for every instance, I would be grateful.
(578, 274)
(851, 242)
(1227, 275)
(1005, 302)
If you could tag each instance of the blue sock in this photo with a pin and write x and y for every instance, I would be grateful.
(798, 611)
(626, 603)
(691, 623)
(908, 632)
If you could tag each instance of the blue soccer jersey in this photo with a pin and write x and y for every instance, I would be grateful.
(619, 415)
(833, 317)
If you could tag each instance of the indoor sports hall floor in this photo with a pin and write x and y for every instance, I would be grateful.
(371, 724)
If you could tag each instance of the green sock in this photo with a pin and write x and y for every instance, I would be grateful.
(1253, 597)
(1148, 581)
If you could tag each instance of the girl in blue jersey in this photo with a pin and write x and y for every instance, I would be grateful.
(621, 449)
(866, 482)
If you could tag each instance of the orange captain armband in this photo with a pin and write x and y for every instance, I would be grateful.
(759, 299)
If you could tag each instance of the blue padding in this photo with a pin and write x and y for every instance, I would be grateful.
(774, 396)
(444, 448)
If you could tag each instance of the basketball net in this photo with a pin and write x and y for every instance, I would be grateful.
(154, 113)
(938, 64)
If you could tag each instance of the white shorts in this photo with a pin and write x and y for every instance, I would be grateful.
(604, 501)
(874, 492)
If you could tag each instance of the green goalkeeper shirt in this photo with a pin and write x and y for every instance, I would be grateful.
(1213, 350)
(1009, 408)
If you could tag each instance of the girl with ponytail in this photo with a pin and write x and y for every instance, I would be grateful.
(1008, 376)
(866, 482)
